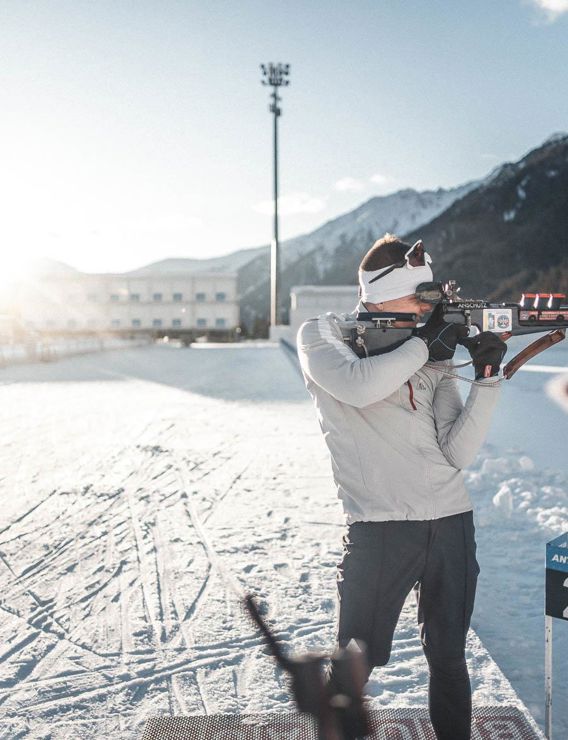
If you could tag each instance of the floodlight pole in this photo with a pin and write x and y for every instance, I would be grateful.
(274, 251)
(275, 75)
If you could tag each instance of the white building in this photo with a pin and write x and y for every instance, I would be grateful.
(308, 301)
(163, 303)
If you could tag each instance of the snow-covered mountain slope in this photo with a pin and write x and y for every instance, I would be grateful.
(509, 234)
(226, 263)
(399, 212)
(331, 253)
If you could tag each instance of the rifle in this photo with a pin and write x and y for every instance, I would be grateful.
(535, 313)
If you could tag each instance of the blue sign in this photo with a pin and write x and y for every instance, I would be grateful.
(557, 553)
(557, 577)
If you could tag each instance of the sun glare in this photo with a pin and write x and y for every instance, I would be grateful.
(14, 268)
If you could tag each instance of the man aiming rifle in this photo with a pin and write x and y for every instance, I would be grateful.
(399, 436)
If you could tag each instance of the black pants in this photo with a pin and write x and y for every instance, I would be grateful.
(382, 563)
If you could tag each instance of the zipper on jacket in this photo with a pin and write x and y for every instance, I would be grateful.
(411, 394)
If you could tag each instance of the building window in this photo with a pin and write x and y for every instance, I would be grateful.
(201, 323)
(220, 296)
(91, 323)
(176, 322)
(178, 297)
(157, 297)
(50, 323)
(136, 323)
(135, 297)
(200, 297)
(156, 323)
(114, 297)
(71, 324)
(115, 323)
(220, 323)
(92, 297)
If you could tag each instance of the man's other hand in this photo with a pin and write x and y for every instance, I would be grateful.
(487, 351)
(440, 336)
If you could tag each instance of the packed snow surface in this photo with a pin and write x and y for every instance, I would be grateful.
(115, 470)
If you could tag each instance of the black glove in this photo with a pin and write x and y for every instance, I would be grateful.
(440, 336)
(487, 351)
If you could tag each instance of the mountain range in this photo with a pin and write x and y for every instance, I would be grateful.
(510, 234)
(497, 237)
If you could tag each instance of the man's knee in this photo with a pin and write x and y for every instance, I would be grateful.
(378, 651)
(447, 666)
(380, 657)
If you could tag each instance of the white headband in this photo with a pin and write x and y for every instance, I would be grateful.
(397, 283)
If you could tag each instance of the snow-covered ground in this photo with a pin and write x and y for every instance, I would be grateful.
(50, 349)
(114, 466)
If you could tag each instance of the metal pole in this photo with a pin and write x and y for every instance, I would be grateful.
(275, 75)
(274, 252)
(548, 676)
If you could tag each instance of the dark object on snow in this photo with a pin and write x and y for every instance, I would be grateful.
(339, 716)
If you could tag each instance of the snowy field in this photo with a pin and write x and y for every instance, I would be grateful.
(114, 467)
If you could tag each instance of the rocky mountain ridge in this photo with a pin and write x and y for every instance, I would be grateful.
(510, 234)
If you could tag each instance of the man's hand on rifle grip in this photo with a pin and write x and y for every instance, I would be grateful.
(487, 351)
(441, 337)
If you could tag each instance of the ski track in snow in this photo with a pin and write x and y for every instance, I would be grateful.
(110, 609)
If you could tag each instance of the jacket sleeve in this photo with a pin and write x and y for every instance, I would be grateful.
(462, 428)
(332, 365)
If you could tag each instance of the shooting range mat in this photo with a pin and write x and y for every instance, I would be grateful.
(490, 723)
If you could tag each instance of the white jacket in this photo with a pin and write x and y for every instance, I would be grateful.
(397, 430)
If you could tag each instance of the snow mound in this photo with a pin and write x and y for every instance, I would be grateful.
(509, 488)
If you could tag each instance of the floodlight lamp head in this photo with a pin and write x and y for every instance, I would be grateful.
(274, 74)
(266, 74)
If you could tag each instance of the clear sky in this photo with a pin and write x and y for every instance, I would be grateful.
(134, 130)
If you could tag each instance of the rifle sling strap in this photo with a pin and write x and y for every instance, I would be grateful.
(532, 350)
